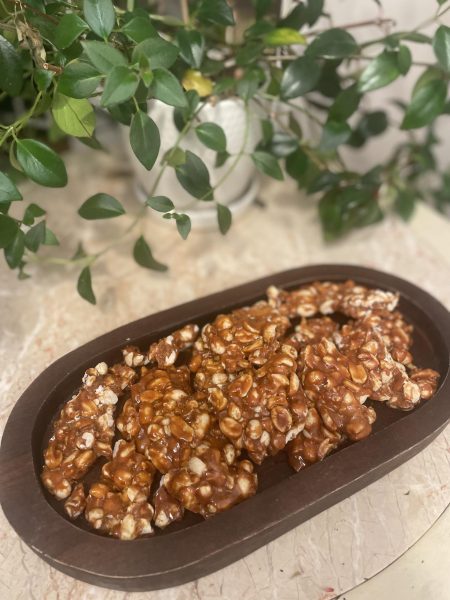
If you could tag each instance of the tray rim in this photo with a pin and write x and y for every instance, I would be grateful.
(433, 418)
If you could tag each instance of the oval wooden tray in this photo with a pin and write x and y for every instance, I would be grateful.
(194, 547)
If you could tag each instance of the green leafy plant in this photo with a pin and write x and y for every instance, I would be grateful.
(69, 60)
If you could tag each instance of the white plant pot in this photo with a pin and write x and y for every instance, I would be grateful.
(239, 188)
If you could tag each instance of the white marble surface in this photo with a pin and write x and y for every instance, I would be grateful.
(42, 319)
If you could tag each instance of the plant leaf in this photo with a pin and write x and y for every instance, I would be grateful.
(334, 43)
(300, 77)
(145, 139)
(79, 80)
(195, 81)
(35, 236)
(8, 230)
(193, 175)
(139, 29)
(43, 79)
(144, 257)
(212, 136)
(41, 164)
(50, 238)
(380, 72)
(345, 104)
(70, 27)
(183, 225)
(247, 86)
(371, 124)
(224, 218)
(101, 206)
(165, 87)
(404, 59)
(14, 251)
(74, 117)
(84, 286)
(160, 203)
(192, 47)
(215, 11)
(334, 133)
(297, 164)
(100, 16)
(427, 102)
(31, 213)
(441, 46)
(103, 56)
(11, 71)
(159, 52)
(284, 36)
(267, 164)
(282, 145)
(405, 203)
(8, 190)
(120, 85)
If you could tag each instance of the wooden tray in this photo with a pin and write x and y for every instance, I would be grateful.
(194, 547)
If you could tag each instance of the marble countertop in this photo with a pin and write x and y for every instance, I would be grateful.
(42, 318)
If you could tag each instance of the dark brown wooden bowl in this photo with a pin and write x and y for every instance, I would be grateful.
(194, 547)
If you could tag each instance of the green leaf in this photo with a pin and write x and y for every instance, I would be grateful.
(120, 85)
(101, 206)
(284, 36)
(248, 85)
(139, 29)
(371, 124)
(166, 87)
(404, 204)
(313, 11)
(74, 117)
(334, 43)
(79, 252)
(159, 52)
(282, 145)
(296, 18)
(79, 80)
(35, 236)
(100, 16)
(343, 209)
(84, 286)
(224, 218)
(322, 181)
(43, 79)
(68, 30)
(103, 56)
(183, 225)
(160, 203)
(193, 175)
(41, 164)
(410, 36)
(212, 136)
(299, 78)
(11, 72)
(145, 139)
(8, 191)
(31, 213)
(144, 257)
(14, 251)
(334, 133)
(50, 238)
(192, 47)
(8, 230)
(297, 164)
(267, 164)
(221, 159)
(380, 72)
(175, 156)
(345, 104)
(441, 46)
(261, 8)
(215, 11)
(294, 126)
(427, 102)
(404, 59)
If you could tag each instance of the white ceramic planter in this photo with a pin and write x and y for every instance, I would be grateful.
(239, 188)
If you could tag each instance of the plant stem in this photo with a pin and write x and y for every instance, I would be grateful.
(184, 7)
(377, 22)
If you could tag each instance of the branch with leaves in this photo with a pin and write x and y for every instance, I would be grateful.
(61, 63)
